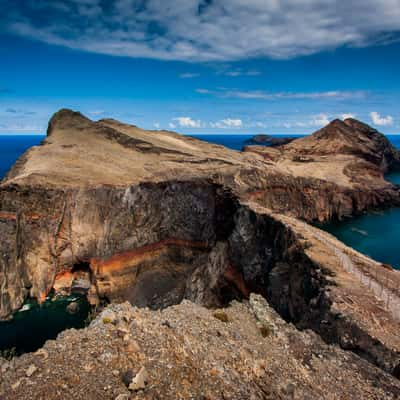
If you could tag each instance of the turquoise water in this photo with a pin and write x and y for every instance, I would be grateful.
(34, 324)
(394, 177)
(374, 234)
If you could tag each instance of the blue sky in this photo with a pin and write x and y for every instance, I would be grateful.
(209, 66)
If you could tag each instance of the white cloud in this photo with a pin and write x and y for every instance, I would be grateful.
(156, 125)
(313, 121)
(172, 125)
(320, 120)
(194, 30)
(187, 122)
(188, 75)
(377, 119)
(347, 115)
(227, 123)
(263, 95)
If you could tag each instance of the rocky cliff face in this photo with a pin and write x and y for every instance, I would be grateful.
(152, 217)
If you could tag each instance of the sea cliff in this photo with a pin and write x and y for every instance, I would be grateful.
(155, 218)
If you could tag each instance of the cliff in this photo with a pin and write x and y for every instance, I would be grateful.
(154, 218)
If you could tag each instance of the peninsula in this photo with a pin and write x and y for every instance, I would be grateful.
(244, 297)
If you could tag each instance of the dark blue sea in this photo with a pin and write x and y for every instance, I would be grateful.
(12, 146)
(375, 234)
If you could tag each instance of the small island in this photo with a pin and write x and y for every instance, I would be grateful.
(269, 140)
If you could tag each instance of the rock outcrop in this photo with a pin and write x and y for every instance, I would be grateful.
(268, 140)
(120, 213)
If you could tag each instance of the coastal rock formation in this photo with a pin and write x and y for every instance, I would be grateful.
(153, 217)
(185, 352)
(268, 140)
(335, 172)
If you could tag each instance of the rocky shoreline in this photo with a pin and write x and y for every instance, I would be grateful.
(158, 219)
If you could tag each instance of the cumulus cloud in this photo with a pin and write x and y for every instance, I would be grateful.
(156, 125)
(187, 122)
(377, 119)
(204, 30)
(263, 95)
(227, 123)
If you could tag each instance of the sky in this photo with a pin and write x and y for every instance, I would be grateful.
(201, 66)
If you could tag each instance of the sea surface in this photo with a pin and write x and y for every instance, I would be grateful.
(375, 234)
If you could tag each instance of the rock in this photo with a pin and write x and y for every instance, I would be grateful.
(122, 397)
(140, 381)
(16, 384)
(73, 307)
(221, 315)
(127, 377)
(108, 317)
(4, 365)
(43, 353)
(267, 140)
(31, 370)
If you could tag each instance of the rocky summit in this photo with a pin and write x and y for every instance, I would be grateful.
(239, 296)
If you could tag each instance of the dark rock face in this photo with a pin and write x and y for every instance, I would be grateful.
(315, 200)
(152, 249)
(267, 140)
